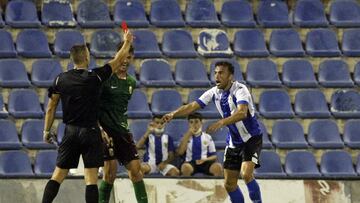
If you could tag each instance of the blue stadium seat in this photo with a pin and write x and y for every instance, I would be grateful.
(176, 129)
(286, 43)
(166, 14)
(324, 134)
(219, 137)
(191, 73)
(57, 14)
(138, 106)
(214, 43)
(262, 73)
(351, 42)
(345, 13)
(24, 103)
(164, 101)
(3, 111)
(351, 133)
(60, 132)
(131, 71)
(7, 48)
(301, 164)
(266, 144)
(145, 44)
(273, 13)
(275, 104)
(201, 13)
(311, 104)
(2, 23)
(236, 13)
(288, 134)
(178, 43)
(26, 47)
(65, 40)
(132, 12)
(270, 165)
(92, 64)
(93, 14)
(44, 71)
(298, 73)
(310, 13)
(104, 43)
(250, 43)
(237, 69)
(32, 135)
(326, 75)
(138, 128)
(345, 104)
(13, 73)
(156, 73)
(21, 14)
(322, 42)
(220, 157)
(58, 113)
(45, 162)
(15, 164)
(210, 110)
(8, 135)
(357, 74)
(337, 164)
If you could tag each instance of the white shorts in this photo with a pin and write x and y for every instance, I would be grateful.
(155, 169)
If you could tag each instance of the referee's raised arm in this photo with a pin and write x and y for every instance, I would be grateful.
(120, 56)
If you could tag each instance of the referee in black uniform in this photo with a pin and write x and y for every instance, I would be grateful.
(79, 91)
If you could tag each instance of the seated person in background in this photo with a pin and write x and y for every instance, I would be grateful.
(159, 149)
(200, 150)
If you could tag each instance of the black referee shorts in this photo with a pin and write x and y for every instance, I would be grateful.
(80, 141)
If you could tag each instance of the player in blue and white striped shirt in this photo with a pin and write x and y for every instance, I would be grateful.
(244, 141)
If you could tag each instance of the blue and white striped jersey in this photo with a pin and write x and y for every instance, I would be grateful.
(200, 147)
(158, 148)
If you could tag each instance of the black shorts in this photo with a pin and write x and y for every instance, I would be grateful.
(202, 168)
(248, 151)
(80, 141)
(124, 148)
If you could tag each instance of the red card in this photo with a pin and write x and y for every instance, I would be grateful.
(124, 26)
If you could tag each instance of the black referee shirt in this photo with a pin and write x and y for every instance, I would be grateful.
(79, 93)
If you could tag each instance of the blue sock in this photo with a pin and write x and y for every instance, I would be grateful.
(254, 191)
(236, 196)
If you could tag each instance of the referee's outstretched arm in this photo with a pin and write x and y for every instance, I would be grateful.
(121, 55)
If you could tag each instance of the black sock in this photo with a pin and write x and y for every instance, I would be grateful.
(92, 194)
(50, 191)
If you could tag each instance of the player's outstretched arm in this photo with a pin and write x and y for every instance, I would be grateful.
(182, 111)
(50, 116)
(120, 56)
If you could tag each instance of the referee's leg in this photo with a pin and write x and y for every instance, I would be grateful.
(53, 185)
(91, 178)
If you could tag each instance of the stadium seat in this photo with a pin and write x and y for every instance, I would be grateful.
(298, 73)
(220, 157)
(15, 164)
(93, 14)
(214, 43)
(286, 43)
(24, 103)
(324, 134)
(104, 43)
(45, 162)
(357, 74)
(132, 12)
(288, 134)
(275, 104)
(65, 40)
(2, 23)
(310, 13)
(91, 65)
(328, 78)
(44, 71)
(32, 135)
(266, 144)
(21, 14)
(176, 129)
(59, 112)
(311, 104)
(209, 111)
(250, 43)
(138, 128)
(219, 137)
(57, 14)
(345, 13)
(13, 74)
(60, 132)
(156, 73)
(138, 106)
(166, 14)
(26, 47)
(164, 101)
(178, 44)
(131, 71)
(237, 69)
(145, 44)
(7, 48)
(191, 73)
(345, 104)
(262, 73)
(322, 42)
(236, 13)
(270, 165)
(201, 13)
(273, 13)
(301, 164)
(337, 164)
(351, 42)
(3, 111)
(351, 134)
(8, 135)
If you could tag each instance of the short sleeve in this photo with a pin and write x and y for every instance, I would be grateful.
(103, 73)
(211, 147)
(171, 147)
(205, 98)
(242, 96)
(54, 88)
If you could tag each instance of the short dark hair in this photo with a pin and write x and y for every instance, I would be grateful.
(131, 50)
(78, 53)
(229, 66)
(195, 115)
(157, 116)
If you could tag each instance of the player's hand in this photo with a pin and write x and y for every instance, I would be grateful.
(49, 137)
(128, 36)
(214, 127)
(161, 166)
(199, 162)
(150, 128)
(168, 117)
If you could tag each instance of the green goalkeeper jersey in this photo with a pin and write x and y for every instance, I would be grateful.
(114, 100)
